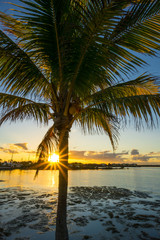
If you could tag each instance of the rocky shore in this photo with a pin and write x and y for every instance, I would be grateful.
(93, 213)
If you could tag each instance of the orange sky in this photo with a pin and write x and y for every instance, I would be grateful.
(21, 152)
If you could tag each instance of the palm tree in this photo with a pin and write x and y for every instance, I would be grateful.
(72, 61)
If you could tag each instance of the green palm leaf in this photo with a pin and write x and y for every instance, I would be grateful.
(95, 120)
(17, 108)
(139, 29)
(18, 72)
(142, 85)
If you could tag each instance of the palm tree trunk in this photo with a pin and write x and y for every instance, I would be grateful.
(61, 221)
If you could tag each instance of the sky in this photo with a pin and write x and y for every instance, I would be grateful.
(18, 141)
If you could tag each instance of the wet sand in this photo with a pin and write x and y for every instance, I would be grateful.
(93, 213)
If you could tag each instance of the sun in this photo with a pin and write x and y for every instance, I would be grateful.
(54, 158)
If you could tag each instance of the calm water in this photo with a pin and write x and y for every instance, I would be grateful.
(141, 179)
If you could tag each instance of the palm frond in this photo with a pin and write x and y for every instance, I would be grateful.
(95, 17)
(8, 101)
(19, 74)
(94, 120)
(144, 84)
(17, 108)
(15, 27)
(107, 53)
(143, 109)
(139, 28)
(49, 142)
(40, 22)
(138, 99)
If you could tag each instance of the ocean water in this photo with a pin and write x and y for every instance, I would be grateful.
(145, 179)
(28, 205)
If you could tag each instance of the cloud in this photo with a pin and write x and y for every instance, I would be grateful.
(119, 157)
(22, 145)
(146, 157)
(32, 152)
(16, 148)
(143, 158)
(86, 153)
(134, 152)
(10, 151)
(98, 156)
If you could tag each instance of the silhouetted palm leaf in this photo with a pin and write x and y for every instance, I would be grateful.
(95, 120)
(49, 142)
(17, 108)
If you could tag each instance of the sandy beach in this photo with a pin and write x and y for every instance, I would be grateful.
(93, 213)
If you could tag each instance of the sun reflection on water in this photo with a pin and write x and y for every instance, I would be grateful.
(53, 181)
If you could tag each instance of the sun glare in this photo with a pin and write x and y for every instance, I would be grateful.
(54, 158)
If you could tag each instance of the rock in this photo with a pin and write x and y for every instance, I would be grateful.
(107, 223)
(47, 206)
(2, 233)
(101, 192)
(40, 226)
(110, 214)
(129, 215)
(23, 238)
(147, 225)
(77, 201)
(71, 203)
(113, 229)
(141, 217)
(136, 225)
(21, 198)
(87, 237)
(126, 229)
(141, 194)
(113, 208)
(145, 234)
(93, 218)
(81, 221)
